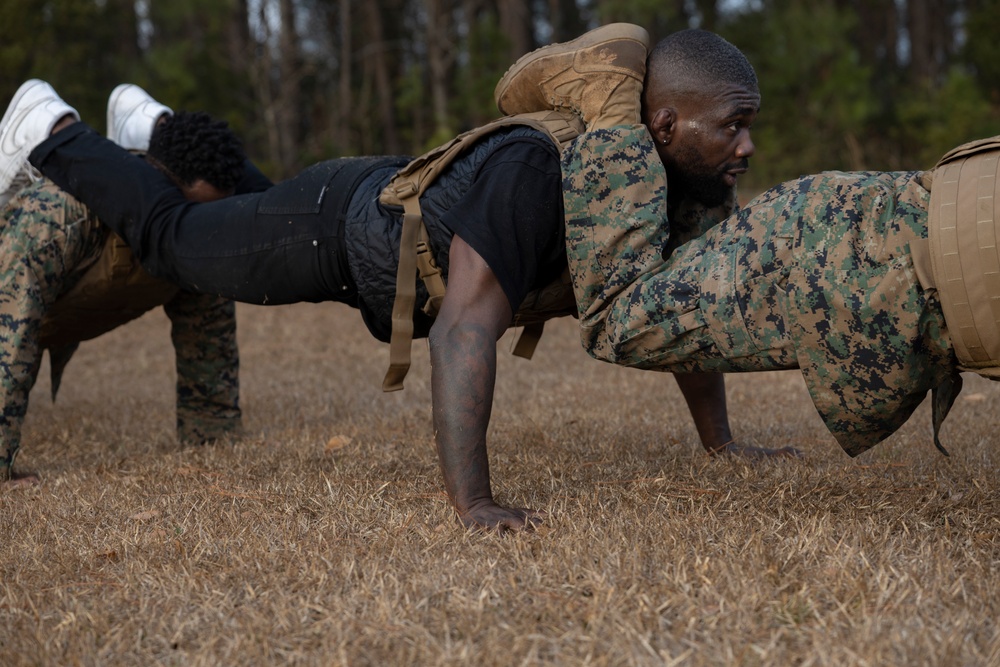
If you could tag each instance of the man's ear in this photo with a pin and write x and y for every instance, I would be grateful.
(663, 124)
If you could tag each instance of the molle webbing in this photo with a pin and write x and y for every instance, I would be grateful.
(963, 230)
(415, 254)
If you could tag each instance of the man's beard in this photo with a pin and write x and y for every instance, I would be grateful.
(691, 177)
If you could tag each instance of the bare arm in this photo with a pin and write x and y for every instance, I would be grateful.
(705, 395)
(474, 314)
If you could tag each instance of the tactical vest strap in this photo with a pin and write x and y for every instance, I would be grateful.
(964, 228)
(416, 257)
(406, 296)
(430, 272)
(114, 290)
(528, 340)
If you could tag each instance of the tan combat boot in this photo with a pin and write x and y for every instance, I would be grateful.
(598, 75)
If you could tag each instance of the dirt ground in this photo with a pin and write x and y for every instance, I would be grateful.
(323, 536)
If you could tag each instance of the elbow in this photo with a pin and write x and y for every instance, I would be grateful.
(460, 339)
(441, 332)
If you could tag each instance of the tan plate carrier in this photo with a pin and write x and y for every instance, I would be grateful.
(963, 231)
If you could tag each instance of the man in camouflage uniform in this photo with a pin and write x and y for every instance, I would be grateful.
(820, 273)
(52, 248)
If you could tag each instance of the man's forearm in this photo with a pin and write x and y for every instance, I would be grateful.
(474, 313)
(705, 395)
(463, 375)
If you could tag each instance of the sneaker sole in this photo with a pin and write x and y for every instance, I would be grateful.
(114, 131)
(16, 156)
(112, 103)
(613, 32)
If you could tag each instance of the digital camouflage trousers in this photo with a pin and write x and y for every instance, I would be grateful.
(815, 274)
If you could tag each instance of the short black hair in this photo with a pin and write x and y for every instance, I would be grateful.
(692, 61)
(192, 146)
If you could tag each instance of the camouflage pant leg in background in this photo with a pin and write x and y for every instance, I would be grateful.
(203, 331)
(45, 237)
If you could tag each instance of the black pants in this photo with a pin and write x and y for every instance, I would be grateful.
(283, 245)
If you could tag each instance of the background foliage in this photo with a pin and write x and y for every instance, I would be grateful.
(846, 84)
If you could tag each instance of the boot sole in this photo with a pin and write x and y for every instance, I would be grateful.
(613, 32)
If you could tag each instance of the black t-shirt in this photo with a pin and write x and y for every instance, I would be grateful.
(513, 216)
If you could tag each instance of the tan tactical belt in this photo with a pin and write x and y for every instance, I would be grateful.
(963, 228)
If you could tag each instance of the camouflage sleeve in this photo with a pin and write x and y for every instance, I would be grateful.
(204, 338)
(46, 236)
(637, 309)
(615, 205)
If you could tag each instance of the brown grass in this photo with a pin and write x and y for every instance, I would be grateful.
(323, 537)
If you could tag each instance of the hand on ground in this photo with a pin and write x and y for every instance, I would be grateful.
(492, 517)
(20, 480)
(751, 452)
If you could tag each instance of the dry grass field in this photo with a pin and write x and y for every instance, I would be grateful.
(323, 536)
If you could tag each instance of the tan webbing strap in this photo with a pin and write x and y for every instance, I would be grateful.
(402, 307)
(553, 300)
(430, 272)
(528, 340)
(113, 290)
(415, 258)
(951, 205)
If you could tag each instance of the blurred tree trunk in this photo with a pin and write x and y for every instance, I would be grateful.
(375, 58)
(345, 102)
(659, 18)
(440, 57)
(265, 73)
(515, 23)
(708, 11)
(277, 77)
(878, 32)
(126, 26)
(565, 19)
(929, 23)
(238, 41)
(878, 46)
(289, 80)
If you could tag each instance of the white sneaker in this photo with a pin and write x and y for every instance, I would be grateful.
(33, 112)
(132, 115)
